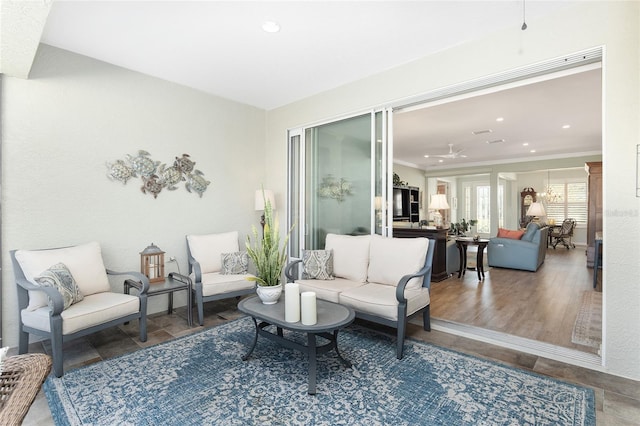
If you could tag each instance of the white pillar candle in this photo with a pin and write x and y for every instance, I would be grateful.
(291, 302)
(308, 307)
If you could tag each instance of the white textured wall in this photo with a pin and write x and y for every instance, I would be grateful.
(614, 25)
(73, 115)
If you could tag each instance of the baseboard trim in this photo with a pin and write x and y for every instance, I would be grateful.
(533, 347)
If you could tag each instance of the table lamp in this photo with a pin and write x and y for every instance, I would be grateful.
(536, 210)
(438, 202)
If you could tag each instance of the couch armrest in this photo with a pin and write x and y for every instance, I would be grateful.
(194, 266)
(57, 302)
(511, 243)
(288, 270)
(426, 269)
(138, 276)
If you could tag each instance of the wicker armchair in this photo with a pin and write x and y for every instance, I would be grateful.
(20, 381)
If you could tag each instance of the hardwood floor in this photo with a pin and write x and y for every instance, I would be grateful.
(540, 305)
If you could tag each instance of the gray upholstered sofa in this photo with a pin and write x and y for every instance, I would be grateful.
(526, 253)
(384, 280)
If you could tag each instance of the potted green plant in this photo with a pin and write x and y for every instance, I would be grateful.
(268, 256)
(463, 226)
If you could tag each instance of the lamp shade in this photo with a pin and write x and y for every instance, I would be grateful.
(260, 199)
(536, 209)
(439, 202)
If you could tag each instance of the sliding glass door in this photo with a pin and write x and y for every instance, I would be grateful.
(337, 179)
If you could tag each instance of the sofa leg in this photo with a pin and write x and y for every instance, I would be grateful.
(426, 318)
(400, 339)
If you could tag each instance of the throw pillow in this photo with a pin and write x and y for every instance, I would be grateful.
(507, 233)
(59, 277)
(236, 263)
(317, 264)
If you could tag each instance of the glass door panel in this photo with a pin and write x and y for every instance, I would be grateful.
(337, 179)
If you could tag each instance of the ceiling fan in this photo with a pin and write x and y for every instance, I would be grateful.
(451, 154)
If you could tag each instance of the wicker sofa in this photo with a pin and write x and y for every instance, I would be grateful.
(384, 280)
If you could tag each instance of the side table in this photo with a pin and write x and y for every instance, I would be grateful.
(462, 244)
(172, 283)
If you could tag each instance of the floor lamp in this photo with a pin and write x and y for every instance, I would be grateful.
(261, 198)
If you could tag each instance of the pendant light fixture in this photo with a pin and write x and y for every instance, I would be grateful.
(524, 21)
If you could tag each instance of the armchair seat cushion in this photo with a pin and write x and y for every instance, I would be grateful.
(207, 249)
(216, 283)
(380, 300)
(83, 261)
(328, 289)
(93, 310)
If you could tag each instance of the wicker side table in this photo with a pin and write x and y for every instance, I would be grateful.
(20, 381)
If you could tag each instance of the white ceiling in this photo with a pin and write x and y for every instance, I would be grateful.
(220, 48)
(533, 119)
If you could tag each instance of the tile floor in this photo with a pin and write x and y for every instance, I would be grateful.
(617, 399)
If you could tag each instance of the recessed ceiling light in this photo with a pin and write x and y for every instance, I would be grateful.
(532, 151)
(495, 141)
(499, 119)
(440, 161)
(525, 144)
(426, 156)
(566, 126)
(480, 132)
(271, 27)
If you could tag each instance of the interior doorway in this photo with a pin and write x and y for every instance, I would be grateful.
(452, 139)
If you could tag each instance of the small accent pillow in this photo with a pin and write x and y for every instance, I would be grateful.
(236, 263)
(59, 277)
(507, 233)
(317, 265)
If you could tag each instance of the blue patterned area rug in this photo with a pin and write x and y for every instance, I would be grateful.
(200, 379)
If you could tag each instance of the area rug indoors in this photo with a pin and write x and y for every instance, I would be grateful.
(200, 379)
(587, 330)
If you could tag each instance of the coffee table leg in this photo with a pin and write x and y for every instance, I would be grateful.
(253, 345)
(335, 346)
(311, 341)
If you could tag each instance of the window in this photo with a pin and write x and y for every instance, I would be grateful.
(572, 202)
(483, 207)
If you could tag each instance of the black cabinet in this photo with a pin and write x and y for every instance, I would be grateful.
(406, 204)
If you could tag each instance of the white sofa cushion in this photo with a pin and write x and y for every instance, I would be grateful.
(350, 256)
(207, 249)
(380, 300)
(328, 289)
(93, 310)
(83, 261)
(392, 258)
(216, 283)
